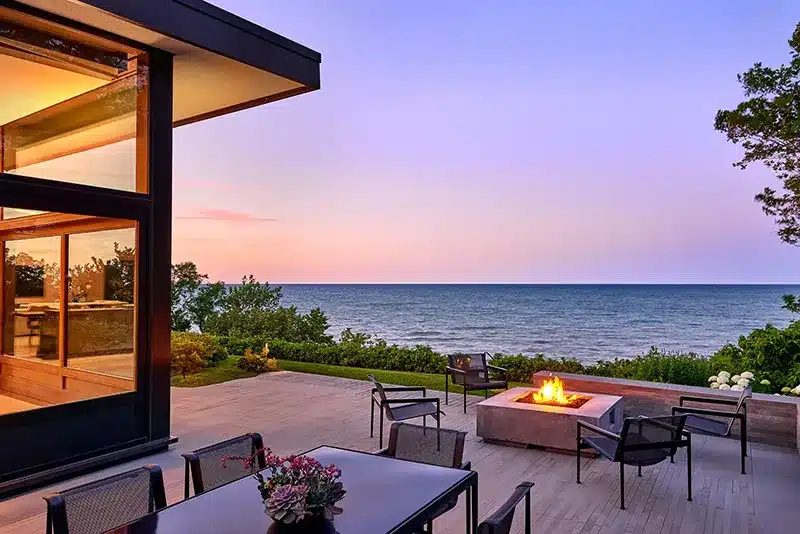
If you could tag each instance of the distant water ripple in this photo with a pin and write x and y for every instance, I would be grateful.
(587, 322)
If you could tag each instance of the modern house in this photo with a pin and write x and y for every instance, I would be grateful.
(90, 91)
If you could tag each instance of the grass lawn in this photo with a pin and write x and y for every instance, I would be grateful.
(227, 370)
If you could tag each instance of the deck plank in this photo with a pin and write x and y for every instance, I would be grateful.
(295, 412)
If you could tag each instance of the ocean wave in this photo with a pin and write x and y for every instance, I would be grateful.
(478, 327)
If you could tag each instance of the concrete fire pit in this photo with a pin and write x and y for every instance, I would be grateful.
(512, 418)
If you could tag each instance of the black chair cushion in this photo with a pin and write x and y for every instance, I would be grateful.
(497, 384)
(707, 425)
(403, 412)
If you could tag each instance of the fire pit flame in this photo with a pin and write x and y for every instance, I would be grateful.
(552, 392)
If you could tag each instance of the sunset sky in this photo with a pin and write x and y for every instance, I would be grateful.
(513, 141)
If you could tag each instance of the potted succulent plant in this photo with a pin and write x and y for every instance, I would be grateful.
(298, 492)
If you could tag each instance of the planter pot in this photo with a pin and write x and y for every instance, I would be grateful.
(313, 525)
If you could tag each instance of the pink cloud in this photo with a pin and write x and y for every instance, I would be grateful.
(223, 216)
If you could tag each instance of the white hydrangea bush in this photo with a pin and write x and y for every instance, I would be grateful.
(725, 381)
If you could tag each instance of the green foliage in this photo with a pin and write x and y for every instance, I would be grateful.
(521, 368)
(186, 363)
(365, 351)
(257, 363)
(207, 347)
(656, 365)
(767, 125)
(252, 295)
(791, 303)
(770, 353)
(186, 280)
(251, 309)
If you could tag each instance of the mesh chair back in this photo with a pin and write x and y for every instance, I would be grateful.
(746, 394)
(501, 520)
(210, 470)
(442, 447)
(105, 504)
(652, 439)
(474, 367)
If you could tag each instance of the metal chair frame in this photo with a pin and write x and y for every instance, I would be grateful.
(451, 372)
(623, 448)
(494, 523)
(378, 398)
(740, 414)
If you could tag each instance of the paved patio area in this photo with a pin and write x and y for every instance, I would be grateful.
(295, 412)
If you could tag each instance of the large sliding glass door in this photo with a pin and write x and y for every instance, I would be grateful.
(75, 241)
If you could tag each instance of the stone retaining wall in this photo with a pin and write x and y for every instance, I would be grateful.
(771, 419)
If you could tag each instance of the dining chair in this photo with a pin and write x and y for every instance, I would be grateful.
(400, 409)
(208, 466)
(472, 373)
(643, 441)
(108, 503)
(501, 519)
(441, 446)
(703, 419)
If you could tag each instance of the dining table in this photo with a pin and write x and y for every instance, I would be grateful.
(384, 496)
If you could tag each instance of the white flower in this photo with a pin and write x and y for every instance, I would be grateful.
(777, 394)
(714, 385)
(726, 373)
(712, 378)
(724, 386)
(737, 387)
(765, 382)
(735, 378)
(723, 379)
(748, 375)
(742, 382)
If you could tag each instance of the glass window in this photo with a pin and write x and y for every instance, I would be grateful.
(81, 265)
(101, 302)
(31, 298)
(73, 107)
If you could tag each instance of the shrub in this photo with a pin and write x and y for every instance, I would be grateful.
(207, 347)
(186, 363)
(257, 363)
(521, 368)
(771, 353)
(656, 365)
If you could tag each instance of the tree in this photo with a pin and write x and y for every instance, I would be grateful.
(767, 125)
(205, 303)
(186, 280)
(252, 295)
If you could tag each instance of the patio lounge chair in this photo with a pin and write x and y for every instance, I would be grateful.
(441, 446)
(401, 409)
(471, 371)
(105, 504)
(642, 441)
(702, 419)
(500, 521)
(206, 464)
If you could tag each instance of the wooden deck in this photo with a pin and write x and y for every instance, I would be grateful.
(296, 412)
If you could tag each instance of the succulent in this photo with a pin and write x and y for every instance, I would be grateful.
(287, 504)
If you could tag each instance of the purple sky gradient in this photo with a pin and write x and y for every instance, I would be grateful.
(460, 141)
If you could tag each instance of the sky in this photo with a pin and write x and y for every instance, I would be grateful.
(463, 141)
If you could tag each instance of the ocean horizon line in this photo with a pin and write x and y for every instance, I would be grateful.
(542, 284)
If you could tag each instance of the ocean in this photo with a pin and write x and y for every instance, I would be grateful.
(585, 322)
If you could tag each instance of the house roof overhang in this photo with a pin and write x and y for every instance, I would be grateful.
(222, 62)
